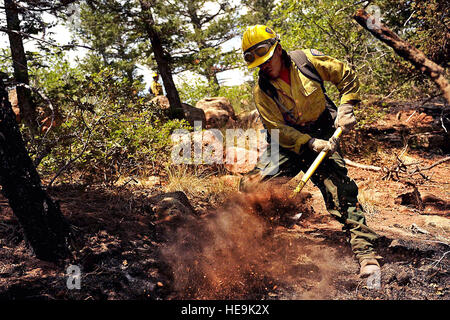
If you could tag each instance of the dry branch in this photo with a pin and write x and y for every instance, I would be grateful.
(398, 168)
(418, 170)
(405, 50)
(436, 163)
(361, 166)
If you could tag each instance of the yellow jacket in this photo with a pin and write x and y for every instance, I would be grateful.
(304, 97)
(156, 88)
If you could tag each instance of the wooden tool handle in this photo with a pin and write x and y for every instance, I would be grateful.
(315, 164)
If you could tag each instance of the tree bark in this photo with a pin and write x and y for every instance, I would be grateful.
(162, 60)
(27, 110)
(43, 224)
(405, 50)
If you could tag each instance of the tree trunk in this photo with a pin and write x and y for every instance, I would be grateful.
(43, 225)
(405, 50)
(27, 110)
(162, 61)
(212, 78)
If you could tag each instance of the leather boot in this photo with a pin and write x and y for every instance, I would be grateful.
(368, 267)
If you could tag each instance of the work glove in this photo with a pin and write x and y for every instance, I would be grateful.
(345, 117)
(318, 145)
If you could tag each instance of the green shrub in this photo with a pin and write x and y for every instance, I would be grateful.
(106, 146)
(107, 127)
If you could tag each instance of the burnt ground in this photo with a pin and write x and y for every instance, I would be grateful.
(242, 246)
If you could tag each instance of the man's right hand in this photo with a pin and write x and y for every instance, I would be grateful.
(318, 145)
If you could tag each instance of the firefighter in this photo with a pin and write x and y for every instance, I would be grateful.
(156, 87)
(288, 100)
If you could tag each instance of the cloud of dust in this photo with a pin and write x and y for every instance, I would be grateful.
(237, 252)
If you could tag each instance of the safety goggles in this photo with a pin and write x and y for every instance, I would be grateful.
(259, 49)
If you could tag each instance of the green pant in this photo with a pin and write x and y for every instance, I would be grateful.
(338, 190)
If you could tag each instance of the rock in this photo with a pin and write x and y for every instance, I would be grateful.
(199, 147)
(210, 144)
(251, 120)
(212, 138)
(217, 119)
(193, 114)
(240, 160)
(218, 111)
(168, 206)
(12, 97)
(162, 102)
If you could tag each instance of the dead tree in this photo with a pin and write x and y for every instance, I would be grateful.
(405, 50)
(43, 224)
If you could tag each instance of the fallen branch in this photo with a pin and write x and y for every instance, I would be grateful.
(398, 168)
(434, 264)
(361, 166)
(418, 170)
(407, 120)
(405, 50)
(436, 163)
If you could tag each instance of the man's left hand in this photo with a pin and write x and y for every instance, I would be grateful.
(345, 117)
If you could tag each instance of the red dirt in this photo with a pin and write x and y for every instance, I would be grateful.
(243, 247)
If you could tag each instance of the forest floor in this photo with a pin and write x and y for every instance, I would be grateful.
(242, 246)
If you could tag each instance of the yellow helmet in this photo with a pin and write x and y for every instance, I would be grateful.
(154, 75)
(258, 44)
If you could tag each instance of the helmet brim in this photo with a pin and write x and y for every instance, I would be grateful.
(260, 60)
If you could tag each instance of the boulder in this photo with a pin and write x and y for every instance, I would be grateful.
(240, 160)
(12, 97)
(191, 113)
(251, 120)
(171, 206)
(162, 102)
(212, 140)
(205, 147)
(218, 111)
